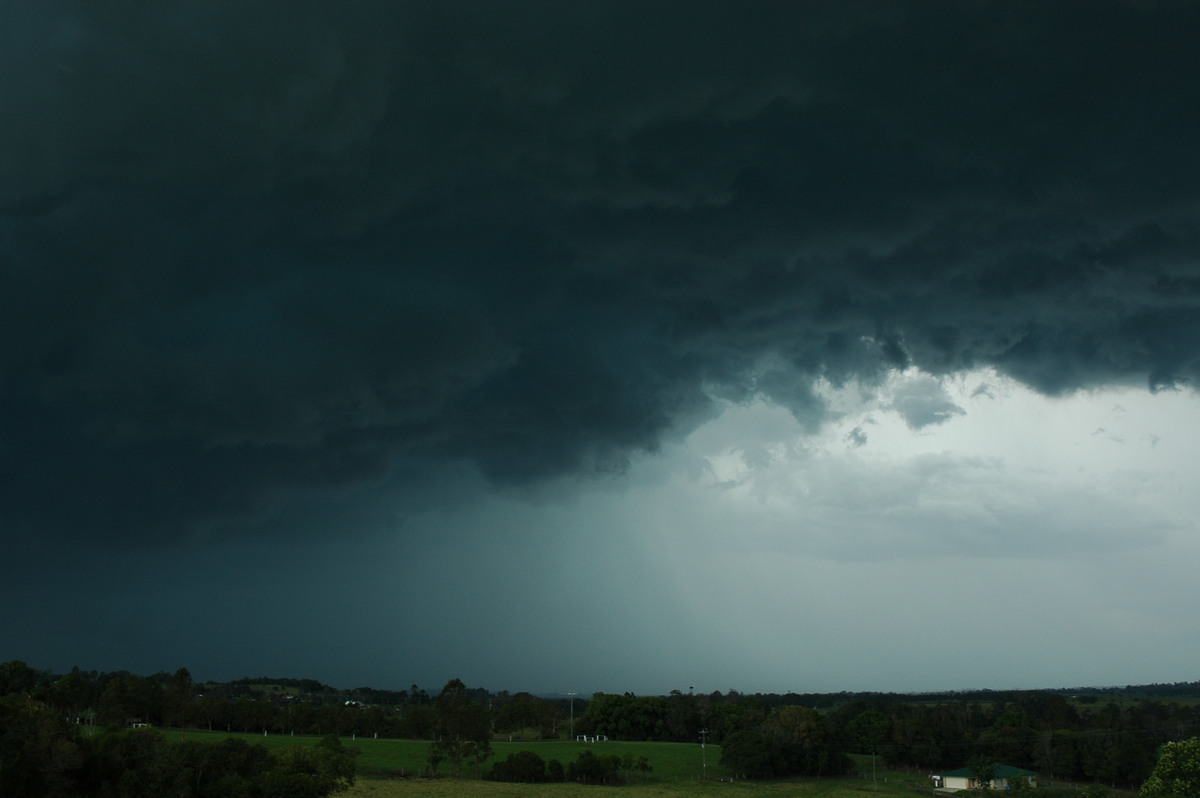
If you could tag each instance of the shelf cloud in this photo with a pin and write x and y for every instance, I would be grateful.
(299, 272)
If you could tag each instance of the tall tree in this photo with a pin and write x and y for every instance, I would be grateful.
(462, 730)
(177, 699)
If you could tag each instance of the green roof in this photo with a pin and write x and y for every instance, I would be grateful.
(1002, 772)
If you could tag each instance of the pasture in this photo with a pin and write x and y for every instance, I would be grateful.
(449, 788)
(396, 769)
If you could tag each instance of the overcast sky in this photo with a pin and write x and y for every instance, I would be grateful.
(596, 345)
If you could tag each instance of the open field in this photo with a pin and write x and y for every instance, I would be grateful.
(447, 788)
(890, 784)
(394, 769)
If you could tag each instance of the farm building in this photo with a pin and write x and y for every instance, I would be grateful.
(966, 779)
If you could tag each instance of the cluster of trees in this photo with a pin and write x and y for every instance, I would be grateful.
(462, 736)
(757, 739)
(43, 756)
(790, 741)
(1110, 743)
(1045, 732)
(527, 767)
(1062, 736)
(275, 705)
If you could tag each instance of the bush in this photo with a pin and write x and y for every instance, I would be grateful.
(592, 769)
(524, 767)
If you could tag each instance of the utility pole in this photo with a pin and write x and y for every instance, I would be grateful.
(572, 695)
(704, 753)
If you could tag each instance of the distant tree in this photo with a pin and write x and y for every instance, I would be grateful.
(462, 729)
(1177, 774)
(177, 699)
(525, 710)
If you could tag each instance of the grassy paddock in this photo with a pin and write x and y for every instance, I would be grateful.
(677, 772)
(450, 788)
(678, 768)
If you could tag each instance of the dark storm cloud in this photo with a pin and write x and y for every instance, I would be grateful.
(251, 249)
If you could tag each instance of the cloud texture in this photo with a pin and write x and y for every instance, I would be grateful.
(250, 249)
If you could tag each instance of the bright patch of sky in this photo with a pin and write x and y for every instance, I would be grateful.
(924, 467)
(1000, 546)
(938, 514)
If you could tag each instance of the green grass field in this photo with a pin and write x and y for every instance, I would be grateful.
(450, 788)
(379, 758)
(679, 770)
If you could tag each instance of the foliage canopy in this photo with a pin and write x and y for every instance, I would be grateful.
(1177, 773)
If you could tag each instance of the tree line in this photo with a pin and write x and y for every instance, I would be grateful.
(42, 755)
(1107, 735)
(1065, 737)
(274, 705)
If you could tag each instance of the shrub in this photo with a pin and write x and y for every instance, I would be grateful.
(592, 769)
(524, 767)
